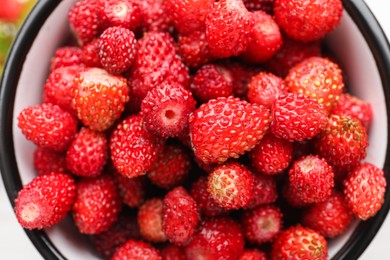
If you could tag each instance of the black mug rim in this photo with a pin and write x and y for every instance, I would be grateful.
(357, 9)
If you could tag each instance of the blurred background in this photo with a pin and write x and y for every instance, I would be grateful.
(12, 14)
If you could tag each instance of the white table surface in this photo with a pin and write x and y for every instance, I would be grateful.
(14, 244)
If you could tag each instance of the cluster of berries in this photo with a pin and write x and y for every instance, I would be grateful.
(200, 129)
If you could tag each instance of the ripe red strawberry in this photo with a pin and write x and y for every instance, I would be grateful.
(172, 252)
(84, 20)
(265, 41)
(97, 204)
(48, 126)
(134, 249)
(58, 87)
(297, 117)
(265, 88)
(66, 56)
(99, 97)
(45, 200)
(231, 185)
(226, 127)
(272, 155)
(299, 242)
(217, 238)
(253, 254)
(318, 78)
(171, 168)
(90, 55)
(309, 20)
(263, 5)
(343, 142)
(166, 108)
(119, 233)
(364, 190)
(206, 204)
(123, 13)
(150, 216)
(47, 161)
(291, 53)
(264, 191)
(132, 190)
(289, 194)
(180, 216)
(133, 148)
(330, 217)
(311, 179)
(153, 16)
(88, 153)
(116, 49)
(194, 49)
(212, 81)
(261, 224)
(354, 107)
(189, 15)
(228, 28)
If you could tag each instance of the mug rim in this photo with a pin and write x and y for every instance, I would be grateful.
(358, 11)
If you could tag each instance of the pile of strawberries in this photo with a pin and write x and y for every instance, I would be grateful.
(200, 129)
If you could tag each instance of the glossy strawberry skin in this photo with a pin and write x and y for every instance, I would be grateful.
(194, 49)
(226, 127)
(66, 56)
(45, 201)
(136, 249)
(150, 220)
(153, 16)
(133, 148)
(46, 161)
(364, 190)
(253, 254)
(132, 190)
(172, 252)
(123, 13)
(90, 56)
(264, 191)
(48, 126)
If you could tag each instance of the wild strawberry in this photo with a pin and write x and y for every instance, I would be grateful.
(47, 161)
(265, 88)
(132, 190)
(133, 148)
(231, 185)
(226, 127)
(330, 217)
(150, 216)
(272, 155)
(119, 233)
(48, 126)
(180, 216)
(171, 168)
(263, 5)
(45, 200)
(90, 55)
(194, 49)
(228, 28)
(173, 252)
(291, 53)
(311, 179)
(116, 49)
(289, 194)
(134, 249)
(189, 15)
(99, 98)
(217, 238)
(88, 153)
(262, 224)
(212, 81)
(84, 20)
(153, 16)
(253, 254)
(206, 204)
(308, 21)
(58, 87)
(364, 190)
(123, 13)
(342, 142)
(318, 78)
(97, 204)
(166, 108)
(299, 242)
(66, 56)
(297, 117)
(354, 107)
(265, 40)
(264, 191)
